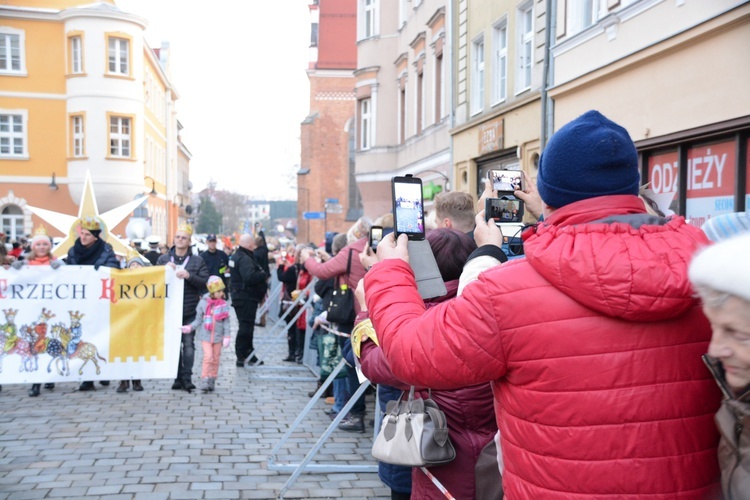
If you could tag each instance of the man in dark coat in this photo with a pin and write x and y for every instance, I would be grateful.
(193, 270)
(153, 253)
(248, 287)
(216, 261)
(90, 249)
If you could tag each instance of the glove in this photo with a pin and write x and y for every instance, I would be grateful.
(185, 328)
(55, 264)
(16, 264)
(226, 342)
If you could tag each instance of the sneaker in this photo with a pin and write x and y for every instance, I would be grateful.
(289, 358)
(123, 387)
(177, 386)
(86, 386)
(353, 423)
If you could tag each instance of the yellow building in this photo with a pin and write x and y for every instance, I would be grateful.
(80, 90)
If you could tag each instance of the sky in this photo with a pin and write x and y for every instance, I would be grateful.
(239, 69)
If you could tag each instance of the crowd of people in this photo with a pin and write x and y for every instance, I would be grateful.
(612, 359)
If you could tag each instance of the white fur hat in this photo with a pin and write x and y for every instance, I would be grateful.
(724, 267)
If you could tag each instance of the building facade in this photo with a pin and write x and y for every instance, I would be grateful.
(327, 195)
(402, 86)
(81, 91)
(674, 74)
(499, 70)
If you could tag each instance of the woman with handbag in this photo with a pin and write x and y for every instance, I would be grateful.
(468, 411)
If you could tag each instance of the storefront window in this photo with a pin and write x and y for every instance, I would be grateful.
(711, 179)
(664, 177)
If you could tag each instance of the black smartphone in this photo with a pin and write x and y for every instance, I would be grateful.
(506, 181)
(504, 209)
(408, 207)
(376, 234)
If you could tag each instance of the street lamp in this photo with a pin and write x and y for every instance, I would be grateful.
(153, 185)
(441, 174)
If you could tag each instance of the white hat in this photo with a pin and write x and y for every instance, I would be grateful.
(153, 240)
(724, 267)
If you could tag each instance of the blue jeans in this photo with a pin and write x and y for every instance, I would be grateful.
(187, 356)
(340, 393)
(351, 373)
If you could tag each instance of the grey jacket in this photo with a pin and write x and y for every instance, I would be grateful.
(221, 328)
(733, 422)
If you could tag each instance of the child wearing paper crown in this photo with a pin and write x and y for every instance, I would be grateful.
(212, 325)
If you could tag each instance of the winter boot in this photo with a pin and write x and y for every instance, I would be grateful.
(205, 384)
(34, 391)
(211, 384)
(353, 423)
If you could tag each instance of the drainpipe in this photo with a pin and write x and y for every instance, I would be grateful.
(449, 86)
(548, 111)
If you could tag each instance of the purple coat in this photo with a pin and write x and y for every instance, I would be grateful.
(469, 412)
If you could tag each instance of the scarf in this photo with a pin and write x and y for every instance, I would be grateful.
(216, 310)
(87, 256)
(40, 261)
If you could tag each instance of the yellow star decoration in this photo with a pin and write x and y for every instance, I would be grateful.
(69, 225)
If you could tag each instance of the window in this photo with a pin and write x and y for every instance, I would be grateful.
(77, 135)
(11, 221)
(76, 55)
(525, 46)
(580, 15)
(365, 121)
(118, 54)
(402, 114)
(420, 101)
(500, 63)
(13, 135)
(369, 18)
(477, 75)
(120, 133)
(12, 58)
(438, 87)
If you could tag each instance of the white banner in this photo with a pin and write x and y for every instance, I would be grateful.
(76, 323)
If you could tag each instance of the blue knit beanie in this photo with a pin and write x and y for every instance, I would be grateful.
(588, 157)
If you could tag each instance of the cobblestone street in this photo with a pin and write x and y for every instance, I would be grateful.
(161, 443)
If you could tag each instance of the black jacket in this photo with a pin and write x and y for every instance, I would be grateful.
(103, 255)
(215, 261)
(195, 285)
(248, 279)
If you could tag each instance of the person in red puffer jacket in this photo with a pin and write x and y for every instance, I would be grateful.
(592, 342)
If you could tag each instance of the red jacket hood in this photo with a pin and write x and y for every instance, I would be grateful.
(581, 251)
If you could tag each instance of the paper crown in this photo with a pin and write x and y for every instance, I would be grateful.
(185, 228)
(134, 256)
(39, 233)
(91, 223)
(214, 284)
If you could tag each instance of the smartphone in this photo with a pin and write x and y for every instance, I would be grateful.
(504, 209)
(506, 181)
(408, 207)
(376, 234)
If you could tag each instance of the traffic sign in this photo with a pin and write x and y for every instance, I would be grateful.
(313, 215)
(332, 200)
(334, 208)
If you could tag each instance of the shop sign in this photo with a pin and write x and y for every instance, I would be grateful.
(491, 136)
(710, 179)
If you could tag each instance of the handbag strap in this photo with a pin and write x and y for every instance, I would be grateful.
(348, 269)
